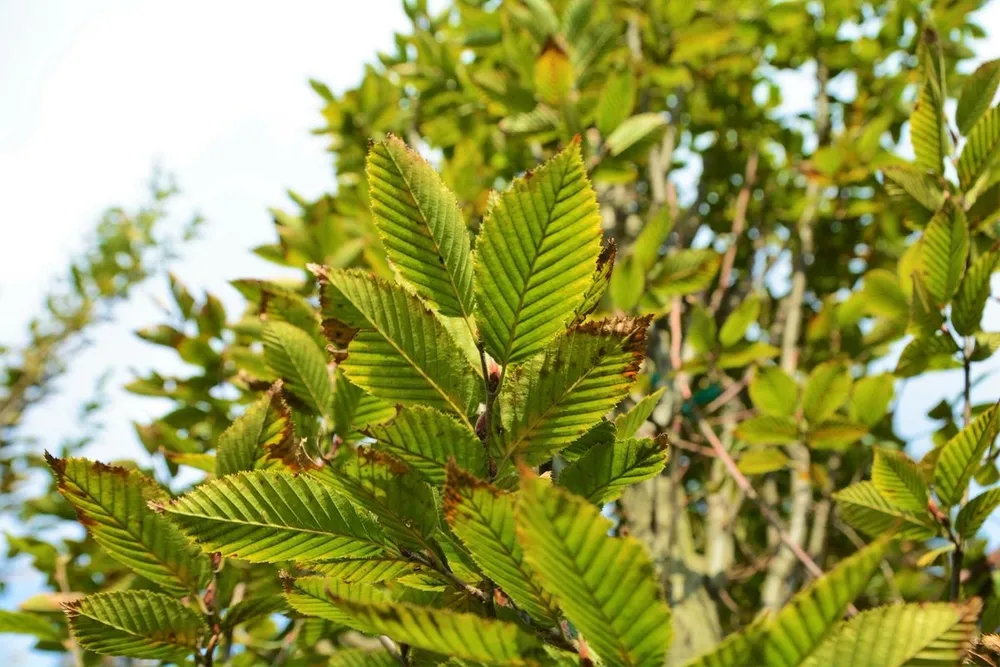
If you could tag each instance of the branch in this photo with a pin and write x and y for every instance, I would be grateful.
(958, 555)
(739, 221)
(63, 581)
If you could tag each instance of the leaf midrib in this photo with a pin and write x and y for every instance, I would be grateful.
(257, 524)
(402, 352)
(531, 270)
(430, 231)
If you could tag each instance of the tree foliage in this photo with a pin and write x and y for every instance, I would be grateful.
(531, 401)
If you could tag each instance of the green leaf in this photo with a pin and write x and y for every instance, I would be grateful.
(685, 272)
(628, 282)
(112, 503)
(962, 455)
(803, 623)
(638, 128)
(267, 517)
(27, 623)
(599, 283)
(745, 353)
(358, 657)
(898, 480)
(943, 250)
(925, 315)
(601, 432)
(294, 356)
(534, 257)
(982, 146)
(427, 439)
(253, 608)
(883, 294)
(736, 650)
(646, 249)
(864, 508)
(871, 398)
(930, 635)
(321, 596)
(835, 433)
(976, 511)
(403, 353)
(918, 184)
(774, 392)
(266, 426)
(604, 472)
(539, 119)
(827, 388)
(967, 310)
(701, 330)
(987, 343)
(421, 226)
(606, 586)
(551, 400)
(977, 94)
(137, 624)
(629, 423)
(736, 325)
(616, 102)
(281, 305)
(460, 635)
(398, 497)
(922, 353)
(362, 570)
(483, 518)
(768, 430)
(762, 461)
(927, 130)
(355, 409)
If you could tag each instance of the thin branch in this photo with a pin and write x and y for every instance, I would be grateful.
(62, 580)
(958, 555)
(393, 650)
(739, 221)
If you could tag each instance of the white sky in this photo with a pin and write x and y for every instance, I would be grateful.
(93, 94)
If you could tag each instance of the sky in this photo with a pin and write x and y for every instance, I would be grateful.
(94, 94)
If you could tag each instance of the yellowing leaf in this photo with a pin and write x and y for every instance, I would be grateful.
(553, 74)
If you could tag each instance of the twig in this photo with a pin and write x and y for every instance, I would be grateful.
(492, 390)
(739, 221)
(63, 582)
(287, 643)
(444, 571)
(393, 650)
(958, 555)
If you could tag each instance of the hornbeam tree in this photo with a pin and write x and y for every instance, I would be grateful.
(608, 377)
